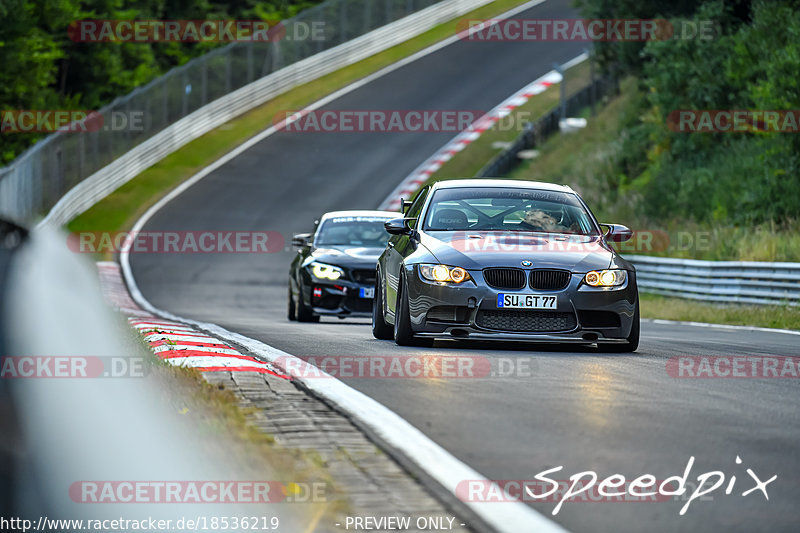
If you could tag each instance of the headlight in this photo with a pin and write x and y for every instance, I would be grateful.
(323, 271)
(443, 273)
(605, 278)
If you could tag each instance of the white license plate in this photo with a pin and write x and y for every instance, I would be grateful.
(526, 301)
(368, 292)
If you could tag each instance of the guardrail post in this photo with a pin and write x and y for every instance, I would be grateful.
(187, 89)
(592, 81)
(562, 91)
(251, 71)
(169, 101)
(228, 70)
(204, 83)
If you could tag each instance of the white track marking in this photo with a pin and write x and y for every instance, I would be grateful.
(394, 430)
(409, 185)
(177, 191)
(152, 337)
(185, 348)
(727, 327)
(197, 361)
(171, 327)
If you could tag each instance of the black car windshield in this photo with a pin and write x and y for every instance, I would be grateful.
(508, 209)
(363, 231)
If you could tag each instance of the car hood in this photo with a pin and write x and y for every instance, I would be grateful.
(474, 250)
(347, 256)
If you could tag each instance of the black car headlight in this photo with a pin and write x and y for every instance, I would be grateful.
(444, 273)
(605, 278)
(325, 271)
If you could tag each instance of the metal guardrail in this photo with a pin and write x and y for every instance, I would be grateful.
(536, 132)
(68, 172)
(744, 282)
(719, 281)
(104, 425)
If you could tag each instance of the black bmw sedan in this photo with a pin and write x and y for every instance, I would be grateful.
(333, 272)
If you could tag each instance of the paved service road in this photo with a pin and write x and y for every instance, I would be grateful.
(580, 409)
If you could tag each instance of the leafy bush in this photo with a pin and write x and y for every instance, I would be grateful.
(751, 64)
(43, 69)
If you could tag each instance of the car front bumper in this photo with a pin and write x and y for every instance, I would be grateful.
(469, 310)
(342, 298)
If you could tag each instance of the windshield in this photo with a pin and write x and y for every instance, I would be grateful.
(353, 231)
(508, 209)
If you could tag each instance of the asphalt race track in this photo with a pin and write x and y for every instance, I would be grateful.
(613, 414)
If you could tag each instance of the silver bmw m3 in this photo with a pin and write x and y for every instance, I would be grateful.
(505, 260)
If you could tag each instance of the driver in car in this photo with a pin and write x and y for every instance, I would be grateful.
(538, 220)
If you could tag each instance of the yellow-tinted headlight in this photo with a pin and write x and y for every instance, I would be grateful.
(458, 274)
(443, 273)
(605, 278)
(323, 271)
(440, 273)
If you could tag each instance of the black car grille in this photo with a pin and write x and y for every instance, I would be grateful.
(357, 304)
(505, 278)
(549, 280)
(367, 277)
(525, 321)
(327, 301)
(599, 319)
(448, 313)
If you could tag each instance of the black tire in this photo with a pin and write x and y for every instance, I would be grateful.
(290, 305)
(303, 313)
(403, 334)
(380, 329)
(632, 342)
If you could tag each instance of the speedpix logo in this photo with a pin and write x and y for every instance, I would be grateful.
(587, 486)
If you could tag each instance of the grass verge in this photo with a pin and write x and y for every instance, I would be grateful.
(584, 161)
(581, 159)
(766, 316)
(223, 428)
(471, 159)
(123, 207)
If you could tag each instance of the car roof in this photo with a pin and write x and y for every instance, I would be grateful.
(360, 213)
(481, 182)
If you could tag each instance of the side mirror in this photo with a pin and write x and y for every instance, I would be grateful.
(618, 233)
(404, 205)
(397, 226)
(301, 240)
